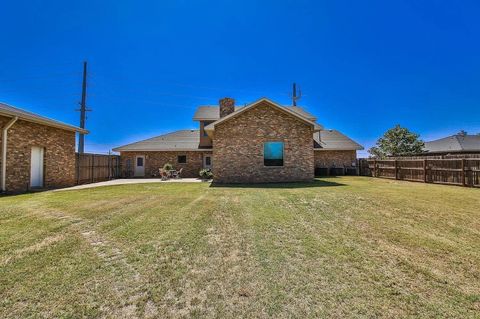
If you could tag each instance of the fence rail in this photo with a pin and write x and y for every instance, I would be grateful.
(454, 171)
(92, 168)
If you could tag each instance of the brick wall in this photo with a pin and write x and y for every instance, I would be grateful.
(156, 160)
(59, 156)
(335, 158)
(238, 147)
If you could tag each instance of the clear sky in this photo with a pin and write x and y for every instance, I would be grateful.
(363, 66)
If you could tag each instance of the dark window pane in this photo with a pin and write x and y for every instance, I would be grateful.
(139, 161)
(182, 159)
(208, 160)
(273, 162)
(273, 154)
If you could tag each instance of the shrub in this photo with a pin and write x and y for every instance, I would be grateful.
(206, 174)
(168, 167)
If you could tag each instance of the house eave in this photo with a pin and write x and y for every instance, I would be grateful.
(164, 150)
(339, 149)
(44, 121)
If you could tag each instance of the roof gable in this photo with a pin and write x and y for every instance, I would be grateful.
(212, 112)
(269, 102)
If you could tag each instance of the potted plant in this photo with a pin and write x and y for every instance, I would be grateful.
(206, 174)
(168, 167)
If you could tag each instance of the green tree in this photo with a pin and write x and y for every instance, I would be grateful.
(397, 141)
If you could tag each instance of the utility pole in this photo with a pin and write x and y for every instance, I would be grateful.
(295, 97)
(83, 110)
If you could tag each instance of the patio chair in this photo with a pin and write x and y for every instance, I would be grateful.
(179, 173)
(163, 174)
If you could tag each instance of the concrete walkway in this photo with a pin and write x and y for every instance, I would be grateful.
(124, 181)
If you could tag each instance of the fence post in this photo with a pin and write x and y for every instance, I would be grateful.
(463, 173)
(396, 169)
(424, 170)
(93, 159)
(109, 167)
(78, 168)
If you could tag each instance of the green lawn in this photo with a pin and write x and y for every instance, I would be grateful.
(338, 247)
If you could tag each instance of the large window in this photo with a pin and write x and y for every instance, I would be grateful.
(273, 153)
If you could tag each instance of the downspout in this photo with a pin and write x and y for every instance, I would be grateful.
(4, 152)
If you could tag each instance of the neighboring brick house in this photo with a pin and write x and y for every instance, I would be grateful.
(36, 152)
(259, 142)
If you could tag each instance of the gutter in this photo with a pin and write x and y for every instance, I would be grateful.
(4, 152)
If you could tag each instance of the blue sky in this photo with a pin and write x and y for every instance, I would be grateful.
(363, 66)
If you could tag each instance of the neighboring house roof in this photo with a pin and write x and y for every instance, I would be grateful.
(284, 109)
(183, 140)
(212, 113)
(454, 143)
(11, 111)
(334, 140)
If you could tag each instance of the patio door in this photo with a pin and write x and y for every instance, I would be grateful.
(36, 167)
(139, 166)
(207, 161)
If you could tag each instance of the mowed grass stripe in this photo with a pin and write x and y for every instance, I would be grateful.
(339, 247)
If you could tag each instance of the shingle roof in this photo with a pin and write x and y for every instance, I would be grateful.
(334, 140)
(183, 140)
(8, 110)
(211, 112)
(454, 143)
(188, 140)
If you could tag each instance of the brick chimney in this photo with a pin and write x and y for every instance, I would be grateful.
(227, 106)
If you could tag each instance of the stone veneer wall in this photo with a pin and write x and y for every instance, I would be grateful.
(238, 147)
(335, 158)
(59, 156)
(156, 160)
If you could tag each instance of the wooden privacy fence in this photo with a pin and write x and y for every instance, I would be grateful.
(92, 168)
(463, 172)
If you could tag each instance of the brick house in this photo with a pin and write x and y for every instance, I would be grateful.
(36, 152)
(259, 142)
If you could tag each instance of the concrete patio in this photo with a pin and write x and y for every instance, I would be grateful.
(123, 181)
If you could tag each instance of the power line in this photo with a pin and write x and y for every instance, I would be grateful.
(39, 77)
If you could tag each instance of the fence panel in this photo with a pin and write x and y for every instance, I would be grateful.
(92, 168)
(451, 171)
(472, 173)
(411, 170)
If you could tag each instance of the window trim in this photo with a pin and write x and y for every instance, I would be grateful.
(283, 153)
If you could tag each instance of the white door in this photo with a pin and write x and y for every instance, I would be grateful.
(36, 167)
(139, 166)
(207, 160)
